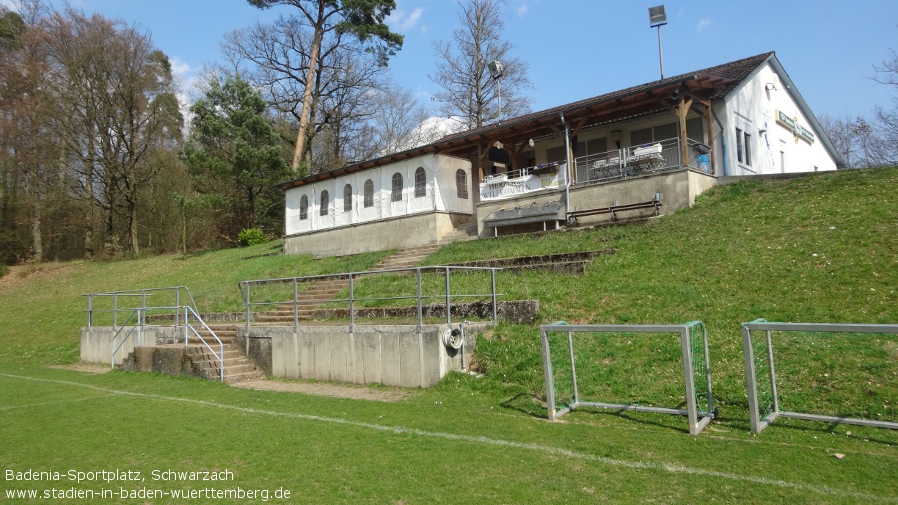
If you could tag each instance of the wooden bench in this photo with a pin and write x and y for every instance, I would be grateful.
(654, 203)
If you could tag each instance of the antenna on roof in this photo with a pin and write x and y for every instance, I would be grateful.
(658, 18)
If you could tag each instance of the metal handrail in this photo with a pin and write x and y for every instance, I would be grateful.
(137, 326)
(245, 290)
(143, 294)
(626, 161)
(189, 310)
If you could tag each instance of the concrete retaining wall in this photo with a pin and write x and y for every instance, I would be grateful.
(96, 341)
(395, 233)
(388, 355)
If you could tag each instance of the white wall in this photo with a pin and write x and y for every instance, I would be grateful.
(753, 108)
(440, 194)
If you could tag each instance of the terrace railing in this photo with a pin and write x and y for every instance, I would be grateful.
(127, 311)
(189, 328)
(108, 307)
(640, 160)
(250, 289)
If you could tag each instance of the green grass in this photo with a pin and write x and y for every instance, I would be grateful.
(815, 249)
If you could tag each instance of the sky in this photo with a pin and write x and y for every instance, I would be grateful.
(578, 49)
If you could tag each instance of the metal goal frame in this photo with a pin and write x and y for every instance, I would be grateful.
(698, 417)
(761, 420)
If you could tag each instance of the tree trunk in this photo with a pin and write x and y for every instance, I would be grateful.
(307, 93)
(89, 186)
(132, 226)
(37, 242)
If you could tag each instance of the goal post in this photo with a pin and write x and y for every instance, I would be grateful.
(765, 398)
(695, 363)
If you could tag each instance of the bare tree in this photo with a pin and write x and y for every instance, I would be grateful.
(468, 90)
(886, 119)
(363, 20)
(118, 100)
(400, 122)
(31, 163)
(345, 78)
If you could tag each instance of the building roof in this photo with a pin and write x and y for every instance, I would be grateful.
(705, 85)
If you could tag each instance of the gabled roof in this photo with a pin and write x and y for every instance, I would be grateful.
(707, 84)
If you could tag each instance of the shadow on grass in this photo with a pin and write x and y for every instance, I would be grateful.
(525, 404)
(867, 434)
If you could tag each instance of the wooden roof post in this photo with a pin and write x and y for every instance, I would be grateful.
(710, 127)
(682, 110)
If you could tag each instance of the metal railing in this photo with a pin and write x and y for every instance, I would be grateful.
(523, 172)
(176, 294)
(351, 300)
(137, 326)
(188, 328)
(640, 160)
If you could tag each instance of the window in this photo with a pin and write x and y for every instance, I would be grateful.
(461, 184)
(347, 198)
(303, 208)
(396, 194)
(369, 194)
(324, 202)
(556, 154)
(420, 182)
(740, 149)
(743, 146)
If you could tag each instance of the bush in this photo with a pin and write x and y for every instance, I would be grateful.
(251, 236)
(3, 269)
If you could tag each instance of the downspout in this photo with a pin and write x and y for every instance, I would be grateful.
(569, 168)
(723, 140)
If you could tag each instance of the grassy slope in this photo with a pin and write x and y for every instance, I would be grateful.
(42, 307)
(745, 251)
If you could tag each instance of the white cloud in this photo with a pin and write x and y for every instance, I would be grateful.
(178, 66)
(404, 21)
(703, 23)
(8, 4)
(522, 9)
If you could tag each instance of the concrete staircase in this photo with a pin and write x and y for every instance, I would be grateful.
(237, 367)
(316, 295)
(324, 291)
(406, 258)
(468, 232)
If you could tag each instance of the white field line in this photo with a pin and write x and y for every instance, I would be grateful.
(639, 465)
(44, 404)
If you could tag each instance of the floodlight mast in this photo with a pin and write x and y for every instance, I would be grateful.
(658, 18)
(496, 70)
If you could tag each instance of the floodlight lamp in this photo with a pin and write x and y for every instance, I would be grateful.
(495, 69)
(657, 16)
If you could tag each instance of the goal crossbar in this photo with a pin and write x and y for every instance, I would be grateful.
(698, 418)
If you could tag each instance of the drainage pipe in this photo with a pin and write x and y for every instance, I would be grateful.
(569, 168)
(723, 141)
(462, 327)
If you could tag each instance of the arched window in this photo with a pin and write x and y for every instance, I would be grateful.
(303, 208)
(396, 194)
(347, 198)
(420, 182)
(324, 202)
(369, 193)
(461, 184)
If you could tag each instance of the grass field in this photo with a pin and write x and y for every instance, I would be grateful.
(815, 249)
